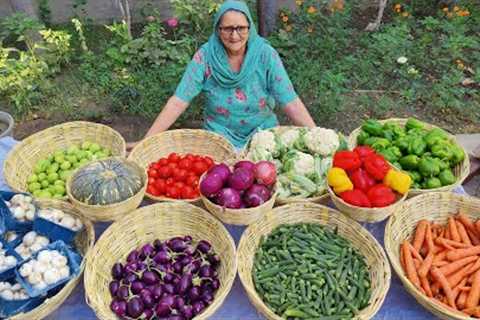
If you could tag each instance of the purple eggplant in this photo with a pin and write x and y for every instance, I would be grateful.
(131, 267)
(179, 302)
(177, 244)
(206, 271)
(184, 284)
(168, 277)
(177, 267)
(162, 309)
(113, 287)
(157, 291)
(148, 250)
(141, 266)
(187, 239)
(207, 297)
(130, 278)
(135, 307)
(168, 299)
(137, 286)
(119, 307)
(148, 314)
(150, 277)
(176, 317)
(117, 271)
(186, 260)
(147, 298)
(190, 250)
(214, 259)
(194, 293)
(176, 280)
(215, 284)
(123, 293)
(198, 307)
(161, 257)
(168, 288)
(206, 286)
(204, 246)
(132, 256)
(157, 243)
(187, 311)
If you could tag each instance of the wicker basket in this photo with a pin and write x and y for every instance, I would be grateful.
(370, 215)
(433, 206)
(21, 160)
(460, 171)
(112, 211)
(83, 242)
(163, 221)
(321, 199)
(182, 141)
(360, 238)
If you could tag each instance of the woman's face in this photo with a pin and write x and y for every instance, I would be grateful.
(233, 30)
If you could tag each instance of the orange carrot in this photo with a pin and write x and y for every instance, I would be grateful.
(429, 239)
(411, 271)
(456, 277)
(440, 256)
(450, 243)
(452, 226)
(465, 288)
(426, 286)
(447, 233)
(463, 233)
(440, 263)
(426, 265)
(461, 299)
(415, 253)
(458, 254)
(456, 265)
(445, 286)
(474, 294)
(435, 288)
(420, 234)
(456, 290)
(467, 223)
(477, 226)
(442, 232)
(473, 237)
(472, 311)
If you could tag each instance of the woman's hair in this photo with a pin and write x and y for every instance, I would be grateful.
(248, 21)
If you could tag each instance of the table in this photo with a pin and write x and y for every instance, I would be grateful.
(399, 304)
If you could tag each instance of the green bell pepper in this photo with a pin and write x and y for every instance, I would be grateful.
(441, 164)
(439, 133)
(402, 143)
(416, 185)
(428, 167)
(447, 177)
(416, 146)
(362, 136)
(415, 175)
(458, 154)
(389, 135)
(373, 127)
(392, 154)
(442, 150)
(380, 143)
(397, 165)
(435, 136)
(433, 183)
(413, 123)
(409, 162)
(417, 132)
(395, 128)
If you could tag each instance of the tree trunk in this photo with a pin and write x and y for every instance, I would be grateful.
(25, 6)
(267, 13)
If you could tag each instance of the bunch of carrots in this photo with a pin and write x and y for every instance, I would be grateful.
(443, 262)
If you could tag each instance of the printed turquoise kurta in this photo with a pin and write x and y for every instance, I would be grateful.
(237, 103)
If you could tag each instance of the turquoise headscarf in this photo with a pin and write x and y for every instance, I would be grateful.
(217, 55)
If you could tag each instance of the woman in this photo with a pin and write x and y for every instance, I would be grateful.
(241, 76)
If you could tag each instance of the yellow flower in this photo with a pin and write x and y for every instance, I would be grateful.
(288, 28)
(310, 29)
(299, 2)
(311, 9)
(285, 19)
(449, 14)
(461, 66)
(445, 9)
(398, 6)
(405, 14)
(458, 61)
(456, 8)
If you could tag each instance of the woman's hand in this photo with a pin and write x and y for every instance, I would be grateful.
(298, 114)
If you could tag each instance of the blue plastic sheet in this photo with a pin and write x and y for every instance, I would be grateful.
(398, 305)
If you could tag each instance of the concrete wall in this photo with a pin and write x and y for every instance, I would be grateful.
(98, 10)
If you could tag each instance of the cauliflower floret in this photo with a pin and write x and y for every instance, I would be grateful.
(289, 137)
(300, 163)
(322, 141)
(264, 140)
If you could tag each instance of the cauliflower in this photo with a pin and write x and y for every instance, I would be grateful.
(264, 140)
(299, 163)
(322, 141)
(289, 137)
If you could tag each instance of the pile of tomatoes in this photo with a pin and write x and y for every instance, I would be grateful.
(177, 176)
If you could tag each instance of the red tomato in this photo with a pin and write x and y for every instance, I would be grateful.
(160, 184)
(175, 173)
(173, 192)
(153, 173)
(192, 181)
(163, 162)
(199, 167)
(173, 157)
(169, 181)
(179, 185)
(181, 175)
(185, 164)
(151, 180)
(165, 172)
(209, 161)
(152, 190)
(189, 157)
(173, 165)
(188, 192)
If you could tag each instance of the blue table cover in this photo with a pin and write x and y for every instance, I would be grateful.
(398, 305)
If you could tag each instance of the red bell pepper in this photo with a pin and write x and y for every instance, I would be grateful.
(376, 166)
(356, 197)
(362, 180)
(363, 151)
(381, 196)
(347, 160)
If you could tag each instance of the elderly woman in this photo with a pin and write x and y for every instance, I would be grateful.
(241, 76)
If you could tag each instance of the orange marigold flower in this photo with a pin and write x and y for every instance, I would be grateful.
(311, 9)
(449, 14)
(456, 9)
(445, 9)
(285, 18)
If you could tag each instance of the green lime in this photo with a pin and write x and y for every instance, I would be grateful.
(45, 194)
(32, 178)
(86, 145)
(45, 183)
(72, 158)
(59, 183)
(60, 159)
(94, 147)
(34, 186)
(37, 193)
(65, 165)
(59, 153)
(88, 154)
(72, 150)
(59, 189)
(52, 177)
(84, 161)
(42, 176)
(53, 168)
(65, 174)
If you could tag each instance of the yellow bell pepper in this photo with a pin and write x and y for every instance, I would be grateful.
(398, 181)
(339, 180)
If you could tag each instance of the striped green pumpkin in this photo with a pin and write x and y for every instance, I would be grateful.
(105, 182)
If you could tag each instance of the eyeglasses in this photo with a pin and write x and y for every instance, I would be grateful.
(241, 30)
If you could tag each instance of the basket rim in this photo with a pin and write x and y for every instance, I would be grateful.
(244, 241)
(21, 144)
(410, 288)
(147, 210)
(143, 173)
(465, 162)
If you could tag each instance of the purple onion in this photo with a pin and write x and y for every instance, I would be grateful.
(119, 307)
(257, 195)
(198, 307)
(204, 246)
(241, 179)
(150, 277)
(194, 293)
(123, 293)
(113, 288)
(117, 271)
(211, 184)
(132, 256)
(222, 170)
(250, 166)
(137, 286)
(229, 198)
(135, 307)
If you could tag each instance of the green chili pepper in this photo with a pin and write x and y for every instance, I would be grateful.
(441, 164)
(447, 177)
